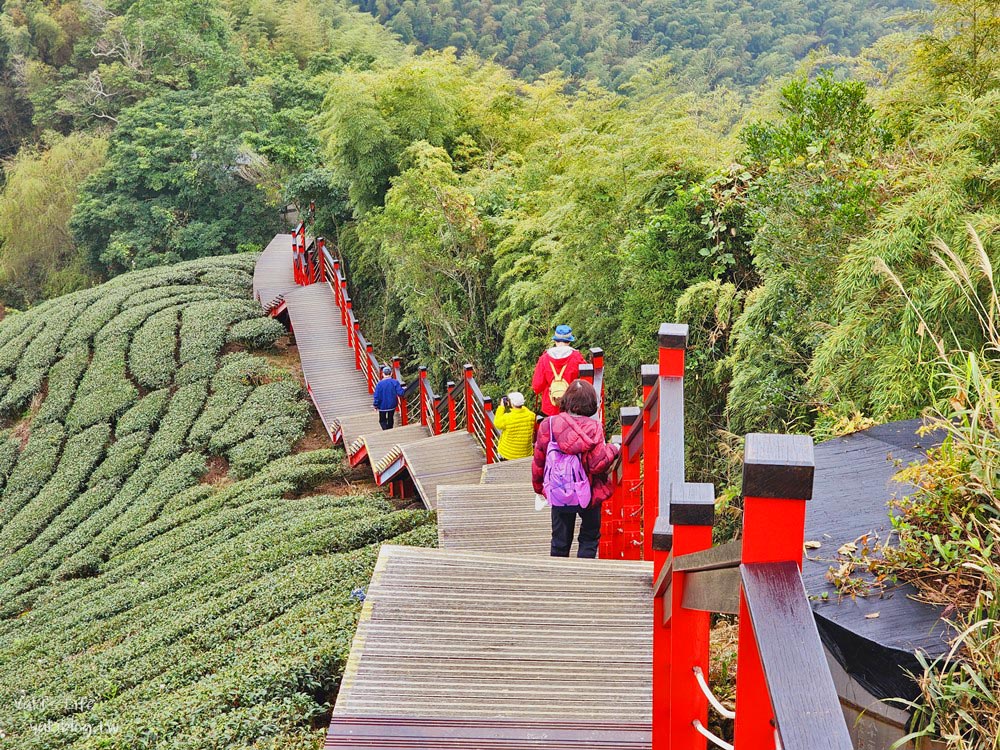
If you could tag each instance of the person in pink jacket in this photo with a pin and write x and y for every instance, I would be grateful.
(560, 361)
(575, 433)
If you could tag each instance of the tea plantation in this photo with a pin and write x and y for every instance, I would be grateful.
(146, 602)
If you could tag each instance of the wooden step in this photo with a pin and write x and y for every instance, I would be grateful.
(382, 447)
(493, 518)
(471, 635)
(508, 472)
(452, 458)
(390, 733)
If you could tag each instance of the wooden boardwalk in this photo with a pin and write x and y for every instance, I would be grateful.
(337, 388)
(493, 517)
(508, 472)
(476, 635)
(486, 644)
(272, 276)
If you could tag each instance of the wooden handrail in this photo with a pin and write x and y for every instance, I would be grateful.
(802, 694)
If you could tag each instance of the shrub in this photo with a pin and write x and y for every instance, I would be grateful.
(105, 392)
(256, 333)
(126, 580)
(151, 356)
(145, 415)
(63, 380)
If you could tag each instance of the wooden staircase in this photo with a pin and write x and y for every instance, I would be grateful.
(487, 642)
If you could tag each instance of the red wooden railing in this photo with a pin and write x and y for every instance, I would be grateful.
(465, 408)
(785, 696)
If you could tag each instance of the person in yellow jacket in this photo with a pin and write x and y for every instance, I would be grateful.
(516, 423)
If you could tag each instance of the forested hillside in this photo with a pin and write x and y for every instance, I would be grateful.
(733, 43)
(170, 578)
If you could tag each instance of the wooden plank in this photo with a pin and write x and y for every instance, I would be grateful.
(715, 590)
(726, 555)
(517, 471)
(492, 518)
(483, 734)
(481, 636)
(272, 274)
(806, 707)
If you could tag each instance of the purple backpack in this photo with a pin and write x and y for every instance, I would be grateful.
(564, 482)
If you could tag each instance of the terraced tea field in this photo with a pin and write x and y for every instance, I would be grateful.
(169, 576)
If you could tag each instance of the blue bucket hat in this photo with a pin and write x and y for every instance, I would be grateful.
(564, 333)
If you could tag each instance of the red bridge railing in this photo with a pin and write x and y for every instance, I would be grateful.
(465, 408)
(785, 695)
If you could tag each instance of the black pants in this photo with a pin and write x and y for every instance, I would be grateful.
(564, 523)
(385, 418)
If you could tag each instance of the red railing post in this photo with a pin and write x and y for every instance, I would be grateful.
(422, 374)
(437, 415)
(666, 447)
(628, 534)
(650, 461)
(357, 344)
(349, 319)
(777, 483)
(469, 400)
(597, 360)
(692, 514)
(397, 371)
(372, 376)
(336, 288)
(346, 299)
(321, 257)
(587, 373)
(451, 406)
(308, 264)
(488, 429)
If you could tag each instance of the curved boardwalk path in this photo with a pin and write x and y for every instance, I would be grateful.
(487, 642)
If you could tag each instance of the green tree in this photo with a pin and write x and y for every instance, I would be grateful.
(175, 183)
(38, 257)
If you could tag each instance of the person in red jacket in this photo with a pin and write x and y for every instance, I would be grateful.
(575, 432)
(561, 361)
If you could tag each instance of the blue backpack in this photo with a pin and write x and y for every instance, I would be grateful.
(564, 482)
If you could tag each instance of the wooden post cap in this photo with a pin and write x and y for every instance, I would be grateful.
(586, 371)
(596, 351)
(467, 367)
(649, 374)
(630, 414)
(778, 466)
(450, 384)
(422, 369)
(673, 335)
(692, 504)
(663, 534)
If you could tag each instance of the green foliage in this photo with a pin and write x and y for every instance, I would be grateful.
(947, 529)
(171, 187)
(37, 255)
(735, 43)
(256, 333)
(151, 356)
